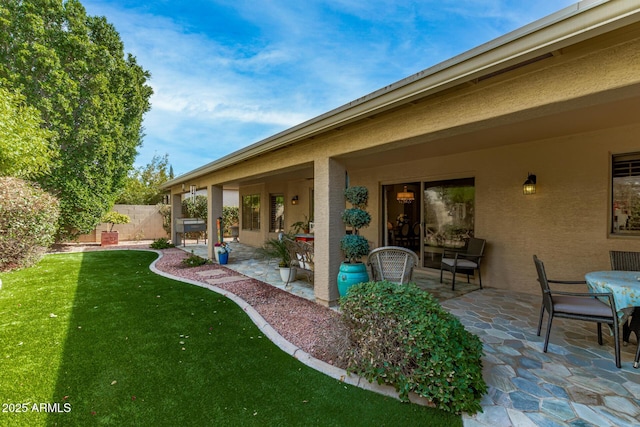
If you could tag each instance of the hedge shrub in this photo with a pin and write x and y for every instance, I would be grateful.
(400, 335)
(28, 221)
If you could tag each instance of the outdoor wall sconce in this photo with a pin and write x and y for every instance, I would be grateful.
(529, 186)
(294, 200)
(165, 199)
(405, 196)
(192, 190)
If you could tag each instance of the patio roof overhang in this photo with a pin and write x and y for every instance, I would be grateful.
(536, 41)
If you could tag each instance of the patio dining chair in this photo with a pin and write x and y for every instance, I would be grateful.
(393, 264)
(585, 306)
(463, 262)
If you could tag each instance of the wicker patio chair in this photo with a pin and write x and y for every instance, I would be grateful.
(585, 306)
(463, 262)
(393, 264)
(628, 261)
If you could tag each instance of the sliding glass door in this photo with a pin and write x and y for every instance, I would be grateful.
(448, 217)
(429, 217)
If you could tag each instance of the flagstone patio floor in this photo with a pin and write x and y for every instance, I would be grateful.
(576, 383)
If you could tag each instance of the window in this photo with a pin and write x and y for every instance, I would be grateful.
(276, 213)
(251, 212)
(449, 216)
(625, 207)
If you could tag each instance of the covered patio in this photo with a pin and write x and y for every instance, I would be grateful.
(575, 383)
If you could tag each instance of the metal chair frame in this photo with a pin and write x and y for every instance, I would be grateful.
(464, 262)
(587, 306)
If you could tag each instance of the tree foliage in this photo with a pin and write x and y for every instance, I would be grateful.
(195, 207)
(73, 69)
(24, 145)
(142, 186)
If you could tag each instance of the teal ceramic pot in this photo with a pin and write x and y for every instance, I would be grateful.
(351, 274)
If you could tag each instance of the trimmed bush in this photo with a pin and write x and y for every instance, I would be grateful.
(195, 261)
(400, 335)
(161, 243)
(28, 221)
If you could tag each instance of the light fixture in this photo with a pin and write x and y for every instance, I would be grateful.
(529, 186)
(405, 196)
(192, 190)
(294, 200)
(165, 199)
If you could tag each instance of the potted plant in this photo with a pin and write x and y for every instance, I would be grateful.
(301, 226)
(110, 237)
(222, 251)
(277, 248)
(353, 245)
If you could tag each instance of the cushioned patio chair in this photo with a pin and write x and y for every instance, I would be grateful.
(585, 306)
(463, 262)
(628, 261)
(393, 264)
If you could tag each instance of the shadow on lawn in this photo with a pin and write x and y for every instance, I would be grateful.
(142, 349)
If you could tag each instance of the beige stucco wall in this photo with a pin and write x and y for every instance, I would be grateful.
(145, 224)
(565, 223)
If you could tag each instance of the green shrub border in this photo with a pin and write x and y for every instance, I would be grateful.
(400, 335)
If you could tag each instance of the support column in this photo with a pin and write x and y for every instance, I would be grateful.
(176, 212)
(214, 211)
(329, 183)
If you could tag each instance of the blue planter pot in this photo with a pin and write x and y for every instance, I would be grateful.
(351, 274)
(223, 257)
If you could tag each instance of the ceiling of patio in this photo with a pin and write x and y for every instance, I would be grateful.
(612, 109)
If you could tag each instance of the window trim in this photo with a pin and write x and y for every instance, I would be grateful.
(621, 165)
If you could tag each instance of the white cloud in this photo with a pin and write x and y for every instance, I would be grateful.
(219, 86)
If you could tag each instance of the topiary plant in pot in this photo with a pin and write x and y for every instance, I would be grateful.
(353, 245)
(112, 218)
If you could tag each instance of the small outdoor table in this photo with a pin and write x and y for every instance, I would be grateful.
(304, 237)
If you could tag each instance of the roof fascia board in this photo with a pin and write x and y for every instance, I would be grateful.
(568, 26)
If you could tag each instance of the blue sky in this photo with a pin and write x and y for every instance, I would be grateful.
(227, 74)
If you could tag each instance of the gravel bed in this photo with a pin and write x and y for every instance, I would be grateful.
(307, 325)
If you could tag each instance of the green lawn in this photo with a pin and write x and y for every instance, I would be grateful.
(112, 343)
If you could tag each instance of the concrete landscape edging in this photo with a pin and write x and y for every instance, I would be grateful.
(289, 348)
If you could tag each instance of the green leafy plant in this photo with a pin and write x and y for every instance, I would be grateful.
(161, 243)
(28, 220)
(399, 335)
(195, 261)
(229, 218)
(112, 218)
(353, 245)
(276, 248)
(301, 226)
(165, 211)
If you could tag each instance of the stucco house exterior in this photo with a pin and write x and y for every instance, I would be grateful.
(559, 99)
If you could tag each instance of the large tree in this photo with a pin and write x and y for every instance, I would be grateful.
(142, 186)
(25, 150)
(73, 69)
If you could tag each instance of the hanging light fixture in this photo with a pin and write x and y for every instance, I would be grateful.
(405, 196)
(529, 186)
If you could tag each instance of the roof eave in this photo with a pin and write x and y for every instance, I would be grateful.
(567, 26)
